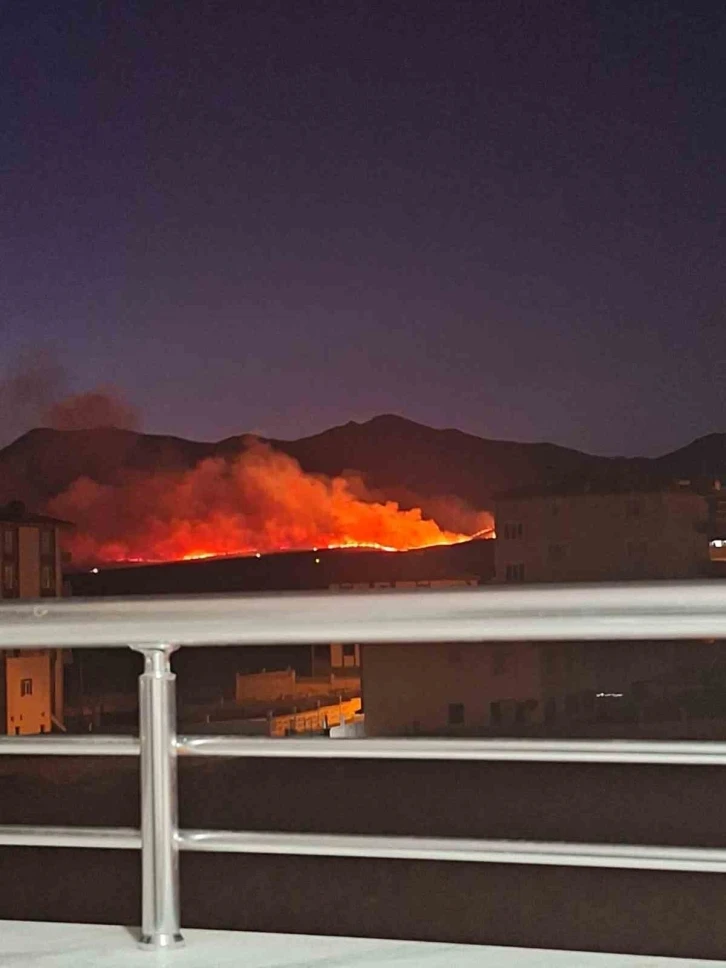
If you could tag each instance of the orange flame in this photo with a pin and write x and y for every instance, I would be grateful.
(261, 502)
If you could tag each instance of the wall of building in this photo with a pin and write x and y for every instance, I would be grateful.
(425, 688)
(28, 693)
(409, 689)
(577, 676)
(315, 720)
(602, 537)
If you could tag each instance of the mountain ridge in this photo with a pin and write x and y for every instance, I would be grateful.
(395, 458)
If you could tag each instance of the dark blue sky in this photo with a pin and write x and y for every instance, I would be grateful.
(277, 216)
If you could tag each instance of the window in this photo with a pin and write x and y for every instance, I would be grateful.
(9, 541)
(495, 713)
(350, 657)
(26, 687)
(514, 572)
(47, 542)
(456, 714)
(9, 582)
(513, 529)
(47, 578)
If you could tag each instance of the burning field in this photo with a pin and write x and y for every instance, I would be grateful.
(260, 502)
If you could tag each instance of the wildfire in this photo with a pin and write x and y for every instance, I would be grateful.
(260, 503)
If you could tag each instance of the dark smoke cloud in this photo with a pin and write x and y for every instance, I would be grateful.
(96, 408)
(35, 393)
(28, 390)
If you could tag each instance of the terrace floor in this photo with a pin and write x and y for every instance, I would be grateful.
(53, 945)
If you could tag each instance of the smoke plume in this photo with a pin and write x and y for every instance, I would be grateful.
(260, 502)
(95, 408)
(449, 511)
(35, 393)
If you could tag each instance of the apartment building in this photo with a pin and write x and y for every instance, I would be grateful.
(593, 535)
(31, 560)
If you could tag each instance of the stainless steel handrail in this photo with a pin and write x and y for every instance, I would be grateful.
(113, 838)
(454, 849)
(64, 745)
(669, 611)
(668, 753)
(682, 753)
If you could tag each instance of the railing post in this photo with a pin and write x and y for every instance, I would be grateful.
(160, 927)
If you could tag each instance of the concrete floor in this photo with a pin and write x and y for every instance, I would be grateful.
(52, 945)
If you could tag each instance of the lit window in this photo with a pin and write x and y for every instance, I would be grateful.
(26, 687)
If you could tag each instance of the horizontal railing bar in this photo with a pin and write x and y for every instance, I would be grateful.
(549, 751)
(619, 856)
(59, 745)
(567, 751)
(113, 838)
(663, 610)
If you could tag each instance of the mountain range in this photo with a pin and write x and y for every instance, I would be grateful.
(396, 458)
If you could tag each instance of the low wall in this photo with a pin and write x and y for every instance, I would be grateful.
(285, 684)
(315, 720)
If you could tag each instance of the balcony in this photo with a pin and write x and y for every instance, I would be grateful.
(661, 881)
(99, 946)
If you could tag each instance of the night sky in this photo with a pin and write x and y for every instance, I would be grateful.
(279, 216)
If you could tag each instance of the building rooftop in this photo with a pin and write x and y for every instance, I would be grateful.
(15, 512)
(57, 945)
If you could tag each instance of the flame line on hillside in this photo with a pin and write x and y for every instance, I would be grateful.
(260, 502)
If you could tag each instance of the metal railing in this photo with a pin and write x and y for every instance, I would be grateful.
(156, 627)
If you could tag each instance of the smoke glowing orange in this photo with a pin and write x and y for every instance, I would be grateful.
(260, 502)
